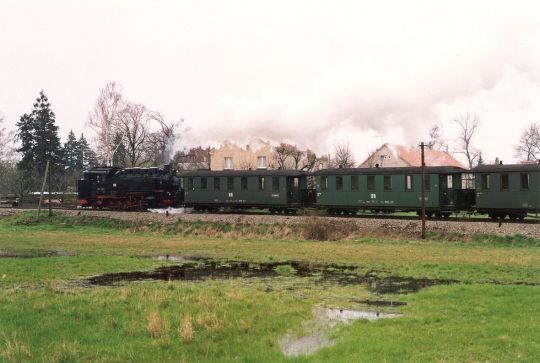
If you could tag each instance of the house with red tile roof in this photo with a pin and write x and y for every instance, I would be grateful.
(390, 155)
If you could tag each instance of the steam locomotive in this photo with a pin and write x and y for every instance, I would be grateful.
(129, 188)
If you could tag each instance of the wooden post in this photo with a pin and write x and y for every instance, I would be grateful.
(50, 197)
(43, 188)
(423, 193)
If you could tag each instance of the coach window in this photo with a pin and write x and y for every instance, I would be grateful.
(339, 183)
(371, 182)
(243, 183)
(190, 184)
(230, 183)
(354, 183)
(387, 182)
(449, 181)
(275, 184)
(408, 183)
(261, 183)
(427, 181)
(324, 182)
(524, 181)
(505, 182)
(204, 183)
(217, 183)
(484, 180)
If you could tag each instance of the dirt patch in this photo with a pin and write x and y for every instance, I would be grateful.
(205, 269)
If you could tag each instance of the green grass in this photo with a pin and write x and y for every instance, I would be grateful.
(48, 314)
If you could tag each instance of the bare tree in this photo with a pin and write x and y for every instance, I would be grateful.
(162, 141)
(133, 125)
(468, 123)
(6, 143)
(529, 143)
(297, 157)
(282, 152)
(104, 120)
(343, 156)
(436, 142)
(196, 158)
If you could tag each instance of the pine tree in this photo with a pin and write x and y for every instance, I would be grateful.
(86, 157)
(38, 134)
(71, 152)
(480, 159)
(26, 137)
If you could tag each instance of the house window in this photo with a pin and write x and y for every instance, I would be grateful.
(275, 184)
(244, 183)
(190, 184)
(261, 162)
(408, 183)
(230, 183)
(227, 163)
(449, 182)
(524, 181)
(371, 182)
(505, 182)
(324, 182)
(354, 183)
(339, 183)
(204, 183)
(484, 180)
(217, 183)
(261, 183)
(387, 182)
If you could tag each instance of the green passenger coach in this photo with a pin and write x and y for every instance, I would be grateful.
(389, 189)
(281, 191)
(507, 190)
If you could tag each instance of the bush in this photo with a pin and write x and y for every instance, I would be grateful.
(324, 229)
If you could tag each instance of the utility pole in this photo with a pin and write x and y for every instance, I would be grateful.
(43, 188)
(50, 200)
(423, 192)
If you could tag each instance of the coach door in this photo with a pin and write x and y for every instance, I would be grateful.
(293, 189)
(446, 190)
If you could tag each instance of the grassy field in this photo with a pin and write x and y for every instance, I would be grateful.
(49, 312)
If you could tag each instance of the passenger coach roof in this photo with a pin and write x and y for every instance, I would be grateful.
(506, 168)
(393, 170)
(258, 172)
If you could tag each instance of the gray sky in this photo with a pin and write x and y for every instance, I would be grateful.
(311, 72)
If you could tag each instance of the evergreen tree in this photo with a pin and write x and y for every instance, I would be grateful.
(26, 137)
(86, 157)
(480, 159)
(71, 152)
(47, 142)
(38, 134)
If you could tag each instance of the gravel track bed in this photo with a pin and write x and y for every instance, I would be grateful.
(362, 224)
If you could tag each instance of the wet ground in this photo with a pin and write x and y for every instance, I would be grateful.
(204, 269)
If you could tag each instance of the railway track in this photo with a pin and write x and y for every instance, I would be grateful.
(461, 218)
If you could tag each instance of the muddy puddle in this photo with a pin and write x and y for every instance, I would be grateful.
(32, 254)
(317, 335)
(205, 269)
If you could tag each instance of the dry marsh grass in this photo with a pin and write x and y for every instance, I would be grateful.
(14, 349)
(186, 330)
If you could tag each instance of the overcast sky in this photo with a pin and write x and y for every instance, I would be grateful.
(315, 73)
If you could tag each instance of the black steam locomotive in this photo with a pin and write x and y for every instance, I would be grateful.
(129, 188)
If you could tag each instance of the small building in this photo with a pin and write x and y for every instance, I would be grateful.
(390, 155)
(256, 155)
